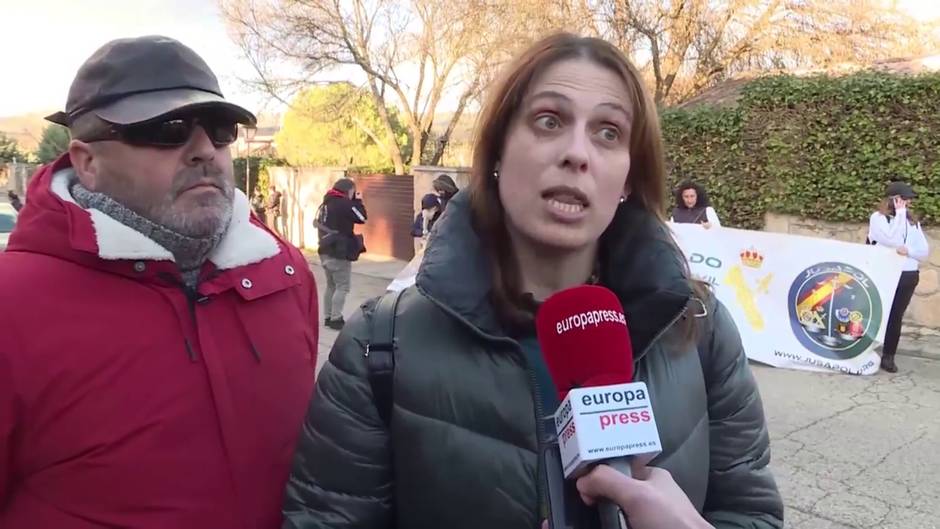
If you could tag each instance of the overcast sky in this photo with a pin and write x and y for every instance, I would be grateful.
(45, 41)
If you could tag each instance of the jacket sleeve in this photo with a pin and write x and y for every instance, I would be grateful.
(426, 216)
(712, 217)
(886, 232)
(359, 215)
(917, 247)
(341, 475)
(742, 492)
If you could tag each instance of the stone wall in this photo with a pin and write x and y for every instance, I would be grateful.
(922, 319)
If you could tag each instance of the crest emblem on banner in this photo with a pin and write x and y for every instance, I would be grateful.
(749, 282)
(835, 310)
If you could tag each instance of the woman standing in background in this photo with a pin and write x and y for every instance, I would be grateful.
(446, 188)
(894, 225)
(693, 207)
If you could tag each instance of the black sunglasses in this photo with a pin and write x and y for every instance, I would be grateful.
(170, 133)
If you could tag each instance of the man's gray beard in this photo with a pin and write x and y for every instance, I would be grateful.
(197, 225)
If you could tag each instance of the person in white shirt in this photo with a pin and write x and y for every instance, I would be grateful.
(894, 225)
(692, 207)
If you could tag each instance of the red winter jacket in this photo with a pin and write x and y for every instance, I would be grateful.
(124, 402)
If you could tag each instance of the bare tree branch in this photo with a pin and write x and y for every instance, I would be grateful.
(687, 45)
(417, 55)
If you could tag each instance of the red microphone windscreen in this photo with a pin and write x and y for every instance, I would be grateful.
(584, 339)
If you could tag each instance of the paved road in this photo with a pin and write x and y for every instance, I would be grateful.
(849, 452)
(364, 287)
(857, 452)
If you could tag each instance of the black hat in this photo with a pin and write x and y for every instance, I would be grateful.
(429, 201)
(139, 79)
(900, 189)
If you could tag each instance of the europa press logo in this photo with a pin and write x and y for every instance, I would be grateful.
(835, 310)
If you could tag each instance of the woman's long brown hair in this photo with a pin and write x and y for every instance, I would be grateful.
(646, 177)
(886, 208)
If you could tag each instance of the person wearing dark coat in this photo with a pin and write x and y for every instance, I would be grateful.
(272, 209)
(445, 188)
(693, 207)
(566, 189)
(340, 211)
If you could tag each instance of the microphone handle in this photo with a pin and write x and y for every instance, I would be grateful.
(611, 515)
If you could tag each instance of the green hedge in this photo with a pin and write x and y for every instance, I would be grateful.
(817, 147)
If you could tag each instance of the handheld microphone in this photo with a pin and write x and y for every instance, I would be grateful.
(603, 417)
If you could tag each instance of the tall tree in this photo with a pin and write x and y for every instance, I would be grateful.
(413, 54)
(336, 124)
(9, 149)
(55, 141)
(687, 45)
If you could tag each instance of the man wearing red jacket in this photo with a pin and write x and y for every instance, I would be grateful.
(159, 342)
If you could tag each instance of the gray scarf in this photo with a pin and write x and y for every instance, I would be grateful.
(189, 252)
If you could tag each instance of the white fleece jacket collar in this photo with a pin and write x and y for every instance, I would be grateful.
(243, 243)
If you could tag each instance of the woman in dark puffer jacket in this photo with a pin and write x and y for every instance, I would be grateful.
(567, 188)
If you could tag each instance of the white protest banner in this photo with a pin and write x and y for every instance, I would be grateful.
(408, 274)
(799, 302)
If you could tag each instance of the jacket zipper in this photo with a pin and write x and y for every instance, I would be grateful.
(191, 300)
(539, 436)
(191, 303)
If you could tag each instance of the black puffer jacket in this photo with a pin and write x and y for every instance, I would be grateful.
(463, 434)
